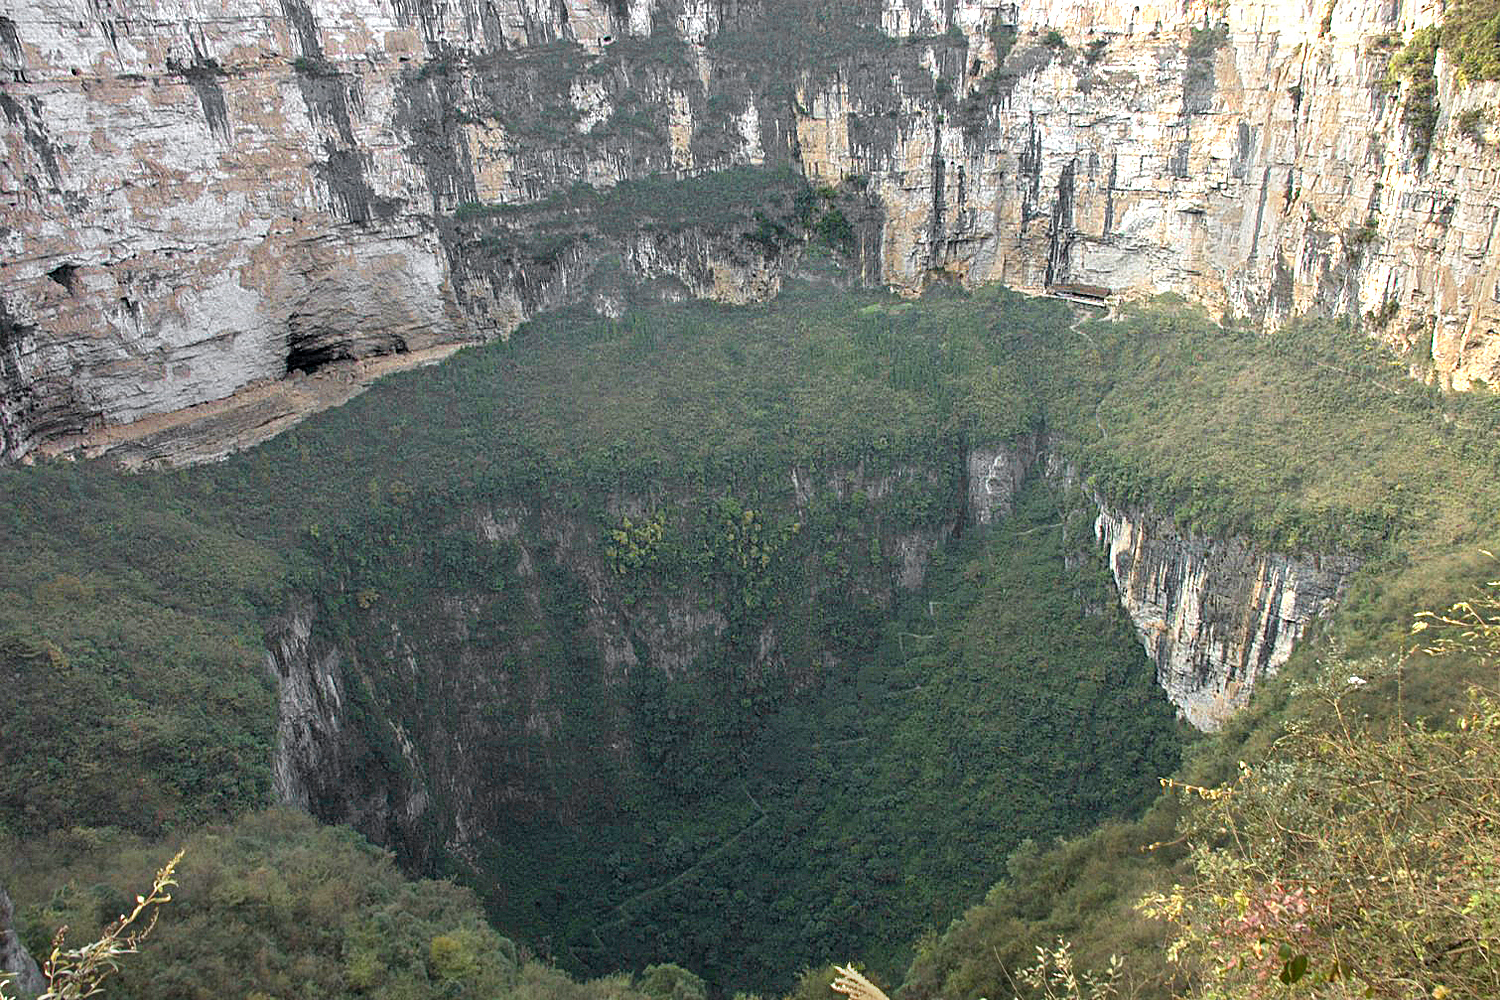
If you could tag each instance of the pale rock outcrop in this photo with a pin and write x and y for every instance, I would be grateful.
(199, 199)
(1216, 615)
(995, 475)
(15, 961)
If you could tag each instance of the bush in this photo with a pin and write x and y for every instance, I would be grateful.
(1470, 34)
(275, 902)
(1415, 63)
(1358, 859)
(1471, 125)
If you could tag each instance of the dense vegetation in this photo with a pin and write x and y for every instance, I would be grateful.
(859, 812)
(1469, 35)
(1266, 431)
(1357, 859)
(275, 906)
(130, 632)
(749, 795)
(1004, 703)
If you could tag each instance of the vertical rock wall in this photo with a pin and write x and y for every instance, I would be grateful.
(1215, 614)
(427, 718)
(199, 197)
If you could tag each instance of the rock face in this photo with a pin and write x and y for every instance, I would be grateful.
(995, 474)
(1215, 614)
(14, 959)
(203, 199)
(429, 717)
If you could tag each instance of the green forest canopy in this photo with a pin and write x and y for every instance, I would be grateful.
(136, 603)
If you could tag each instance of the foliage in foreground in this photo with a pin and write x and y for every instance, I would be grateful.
(1393, 723)
(286, 908)
(76, 973)
(1359, 860)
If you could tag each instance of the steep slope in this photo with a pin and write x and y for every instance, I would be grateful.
(654, 583)
(201, 202)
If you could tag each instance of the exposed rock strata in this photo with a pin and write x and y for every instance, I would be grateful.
(1215, 614)
(331, 749)
(201, 200)
(995, 475)
(429, 720)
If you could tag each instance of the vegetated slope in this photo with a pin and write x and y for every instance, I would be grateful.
(701, 417)
(154, 588)
(816, 379)
(1302, 435)
(275, 905)
(719, 827)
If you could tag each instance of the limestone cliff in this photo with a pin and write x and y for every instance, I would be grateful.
(1215, 614)
(426, 717)
(204, 200)
(429, 716)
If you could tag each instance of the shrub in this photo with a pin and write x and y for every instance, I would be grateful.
(671, 982)
(1471, 125)
(1357, 860)
(1382, 317)
(1204, 42)
(1470, 34)
(1415, 63)
(1358, 239)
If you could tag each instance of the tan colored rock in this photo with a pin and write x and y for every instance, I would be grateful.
(192, 197)
(1216, 615)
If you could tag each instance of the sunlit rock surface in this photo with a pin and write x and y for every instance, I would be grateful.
(1215, 614)
(201, 198)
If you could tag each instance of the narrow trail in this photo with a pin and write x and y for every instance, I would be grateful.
(621, 908)
(1081, 316)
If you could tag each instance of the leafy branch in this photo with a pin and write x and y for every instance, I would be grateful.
(76, 973)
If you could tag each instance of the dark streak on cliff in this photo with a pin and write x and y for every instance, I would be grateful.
(1061, 244)
(35, 404)
(28, 119)
(203, 74)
